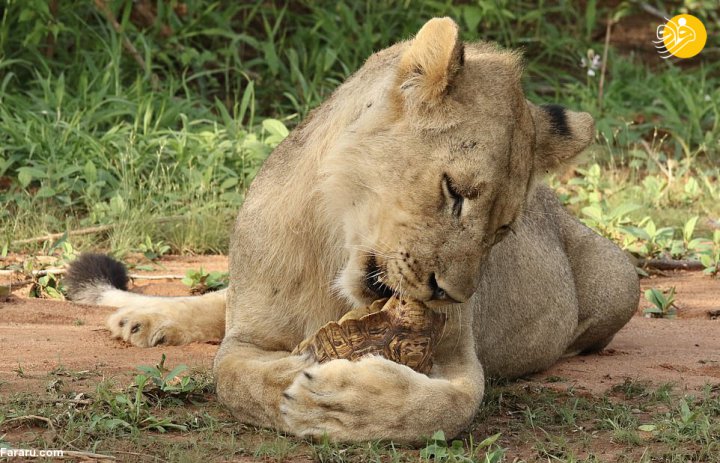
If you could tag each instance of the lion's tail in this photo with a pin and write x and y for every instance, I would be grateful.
(145, 320)
(98, 279)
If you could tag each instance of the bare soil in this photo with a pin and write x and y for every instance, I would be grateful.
(39, 337)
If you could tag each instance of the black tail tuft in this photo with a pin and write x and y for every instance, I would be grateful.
(90, 271)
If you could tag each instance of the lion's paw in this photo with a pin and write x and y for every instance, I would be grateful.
(344, 400)
(146, 327)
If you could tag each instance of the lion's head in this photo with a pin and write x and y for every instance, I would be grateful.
(435, 162)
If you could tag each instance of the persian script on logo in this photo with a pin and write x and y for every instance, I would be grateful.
(682, 36)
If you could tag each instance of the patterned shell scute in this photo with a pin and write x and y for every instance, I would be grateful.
(403, 331)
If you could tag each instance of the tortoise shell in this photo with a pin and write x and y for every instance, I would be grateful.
(401, 330)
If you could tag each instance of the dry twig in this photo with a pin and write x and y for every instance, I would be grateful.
(31, 418)
(60, 271)
(135, 276)
(86, 231)
(667, 264)
(651, 154)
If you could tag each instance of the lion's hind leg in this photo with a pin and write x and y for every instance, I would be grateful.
(141, 320)
(607, 289)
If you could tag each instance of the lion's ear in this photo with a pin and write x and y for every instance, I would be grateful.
(560, 135)
(430, 62)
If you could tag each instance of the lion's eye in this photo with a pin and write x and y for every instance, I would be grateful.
(453, 194)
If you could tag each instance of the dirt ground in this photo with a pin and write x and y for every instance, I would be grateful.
(39, 336)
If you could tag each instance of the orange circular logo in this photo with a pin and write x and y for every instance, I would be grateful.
(682, 36)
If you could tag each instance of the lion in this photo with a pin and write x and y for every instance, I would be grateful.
(420, 176)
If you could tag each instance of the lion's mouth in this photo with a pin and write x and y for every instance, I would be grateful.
(373, 280)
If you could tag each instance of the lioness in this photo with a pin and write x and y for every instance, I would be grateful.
(417, 177)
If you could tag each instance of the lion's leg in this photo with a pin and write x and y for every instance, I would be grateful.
(251, 381)
(375, 398)
(372, 398)
(145, 320)
(606, 285)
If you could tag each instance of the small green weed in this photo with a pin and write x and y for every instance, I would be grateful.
(48, 286)
(632, 389)
(153, 250)
(710, 257)
(439, 450)
(132, 410)
(277, 449)
(652, 241)
(161, 383)
(663, 303)
(200, 281)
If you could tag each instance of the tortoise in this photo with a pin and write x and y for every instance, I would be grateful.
(402, 330)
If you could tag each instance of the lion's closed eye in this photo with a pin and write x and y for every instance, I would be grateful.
(450, 192)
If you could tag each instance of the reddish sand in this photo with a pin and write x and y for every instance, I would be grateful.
(38, 336)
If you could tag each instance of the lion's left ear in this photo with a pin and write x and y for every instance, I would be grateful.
(430, 62)
(560, 135)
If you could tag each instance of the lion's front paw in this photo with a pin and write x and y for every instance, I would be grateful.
(346, 400)
(146, 327)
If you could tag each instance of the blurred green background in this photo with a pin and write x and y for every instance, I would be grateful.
(154, 116)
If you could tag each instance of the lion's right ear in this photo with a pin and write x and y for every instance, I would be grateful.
(560, 135)
(430, 62)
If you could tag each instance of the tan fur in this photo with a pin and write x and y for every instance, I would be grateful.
(147, 321)
(363, 178)
(428, 66)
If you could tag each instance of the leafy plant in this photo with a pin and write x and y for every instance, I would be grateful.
(201, 281)
(129, 412)
(654, 188)
(162, 383)
(607, 221)
(62, 248)
(48, 286)
(710, 256)
(132, 410)
(663, 303)
(19, 371)
(691, 190)
(153, 250)
(439, 450)
(652, 241)
(589, 187)
(687, 245)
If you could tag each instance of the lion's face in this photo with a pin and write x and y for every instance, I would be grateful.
(436, 169)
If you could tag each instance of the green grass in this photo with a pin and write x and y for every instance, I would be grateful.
(90, 137)
(125, 159)
(158, 416)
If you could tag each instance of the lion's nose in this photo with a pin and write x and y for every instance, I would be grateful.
(440, 293)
